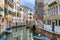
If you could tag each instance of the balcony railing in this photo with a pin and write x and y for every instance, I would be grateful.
(17, 19)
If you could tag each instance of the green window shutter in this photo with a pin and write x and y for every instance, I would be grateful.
(5, 10)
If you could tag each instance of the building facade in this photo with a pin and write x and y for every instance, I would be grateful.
(39, 6)
(16, 13)
(30, 17)
(9, 14)
(26, 15)
(2, 28)
(51, 18)
(5, 10)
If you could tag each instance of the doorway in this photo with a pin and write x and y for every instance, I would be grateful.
(53, 24)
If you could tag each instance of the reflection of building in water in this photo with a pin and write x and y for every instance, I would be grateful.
(20, 33)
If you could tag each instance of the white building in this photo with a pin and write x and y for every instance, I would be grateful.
(16, 13)
(30, 16)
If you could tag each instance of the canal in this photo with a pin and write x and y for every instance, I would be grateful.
(20, 33)
(24, 33)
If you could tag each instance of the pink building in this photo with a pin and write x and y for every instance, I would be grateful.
(2, 27)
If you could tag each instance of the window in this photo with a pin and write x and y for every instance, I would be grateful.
(10, 4)
(20, 9)
(2, 19)
(5, 10)
(56, 9)
(9, 12)
(16, 23)
(0, 25)
(6, 1)
(48, 22)
(48, 11)
(30, 17)
(56, 22)
(30, 13)
(20, 14)
(52, 11)
(59, 8)
(59, 22)
(44, 21)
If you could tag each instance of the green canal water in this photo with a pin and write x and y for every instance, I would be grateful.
(23, 33)
(20, 33)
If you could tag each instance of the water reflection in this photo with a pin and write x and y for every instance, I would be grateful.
(20, 34)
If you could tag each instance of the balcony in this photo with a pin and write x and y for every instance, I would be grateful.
(17, 19)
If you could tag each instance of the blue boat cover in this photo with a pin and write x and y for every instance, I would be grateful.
(8, 29)
(3, 38)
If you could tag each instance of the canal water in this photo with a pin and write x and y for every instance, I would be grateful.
(20, 33)
(23, 33)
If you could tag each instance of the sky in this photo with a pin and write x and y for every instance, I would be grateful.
(28, 3)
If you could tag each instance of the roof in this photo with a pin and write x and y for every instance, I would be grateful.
(25, 6)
